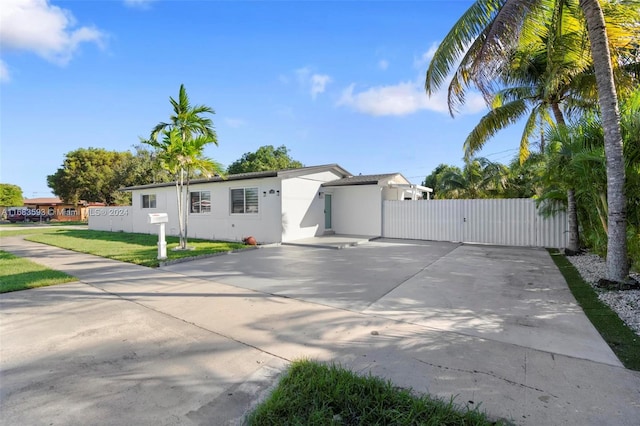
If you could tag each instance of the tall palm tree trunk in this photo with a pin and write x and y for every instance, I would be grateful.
(181, 208)
(573, 245)
(187, 210)
(617, 263)
(557, 113)
(178, 195)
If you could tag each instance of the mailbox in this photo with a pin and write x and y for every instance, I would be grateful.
(158, 218)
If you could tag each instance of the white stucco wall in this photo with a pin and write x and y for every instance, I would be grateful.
(220, 223)
(165, 203)
(302, 208)
(112, 219)
(357, 209)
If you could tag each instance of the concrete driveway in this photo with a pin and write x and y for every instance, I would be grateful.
(352, 278)
(200, 342)
(510, 294)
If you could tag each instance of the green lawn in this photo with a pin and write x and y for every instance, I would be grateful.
(69, 223)
(43, 224)
(314, 394)
(17, 273)
(27, 231)
(622, 340)
(140, 249)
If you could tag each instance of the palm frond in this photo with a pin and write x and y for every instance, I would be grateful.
(465, 31)
(494, 121)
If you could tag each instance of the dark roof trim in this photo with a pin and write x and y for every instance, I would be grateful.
(248, 176)
(359, 180)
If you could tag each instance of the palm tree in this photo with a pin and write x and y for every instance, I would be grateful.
(181, 150)
(539, 80)
(617, 264)
(480, 178)
(434, 180)
(577, 160)
(486, 35)
(572, 157)
(524, 179)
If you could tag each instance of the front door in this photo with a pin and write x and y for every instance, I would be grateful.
(327, 211)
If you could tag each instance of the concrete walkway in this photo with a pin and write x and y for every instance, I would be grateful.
(132, 345)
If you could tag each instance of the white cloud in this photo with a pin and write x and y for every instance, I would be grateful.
(47, 30)
(319, 83)
(234, 122)
(422, 61)
(314, 83)
(383, 64)
(407, 97)
(139, 4)
(4, 72)
(403, 99)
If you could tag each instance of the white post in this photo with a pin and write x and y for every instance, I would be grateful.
(162, 243)
(160, 219)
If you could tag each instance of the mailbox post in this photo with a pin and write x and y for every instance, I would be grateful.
(160, 219)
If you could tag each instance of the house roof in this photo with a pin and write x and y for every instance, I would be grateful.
(57, 200)
(287, 173)
(361, 180)
(43, 200)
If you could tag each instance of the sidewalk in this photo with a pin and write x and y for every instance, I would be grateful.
(129, 344)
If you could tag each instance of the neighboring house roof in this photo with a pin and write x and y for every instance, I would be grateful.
(55, 201)
(364, 180)
(45, 200)
(253, 175)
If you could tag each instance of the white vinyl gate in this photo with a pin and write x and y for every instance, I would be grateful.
(509, 222)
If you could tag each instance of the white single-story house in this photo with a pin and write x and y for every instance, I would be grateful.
(276, 206)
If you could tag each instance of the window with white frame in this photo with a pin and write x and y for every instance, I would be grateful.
(149, 201)
(200, 202)
(244, 200)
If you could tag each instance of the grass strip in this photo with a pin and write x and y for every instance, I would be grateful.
(310, 393)
(140, 249)
(27, 231)
(17, 273)
(44, 224)
(622, 340)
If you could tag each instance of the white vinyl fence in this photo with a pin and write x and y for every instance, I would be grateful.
(509, 222)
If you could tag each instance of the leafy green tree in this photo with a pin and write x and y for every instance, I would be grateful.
(486, 35)
(139, 168)
(10, 195)
(181, 150)
(89, 174)
(264, 159)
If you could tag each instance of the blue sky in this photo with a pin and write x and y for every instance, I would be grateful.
(334, 81)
